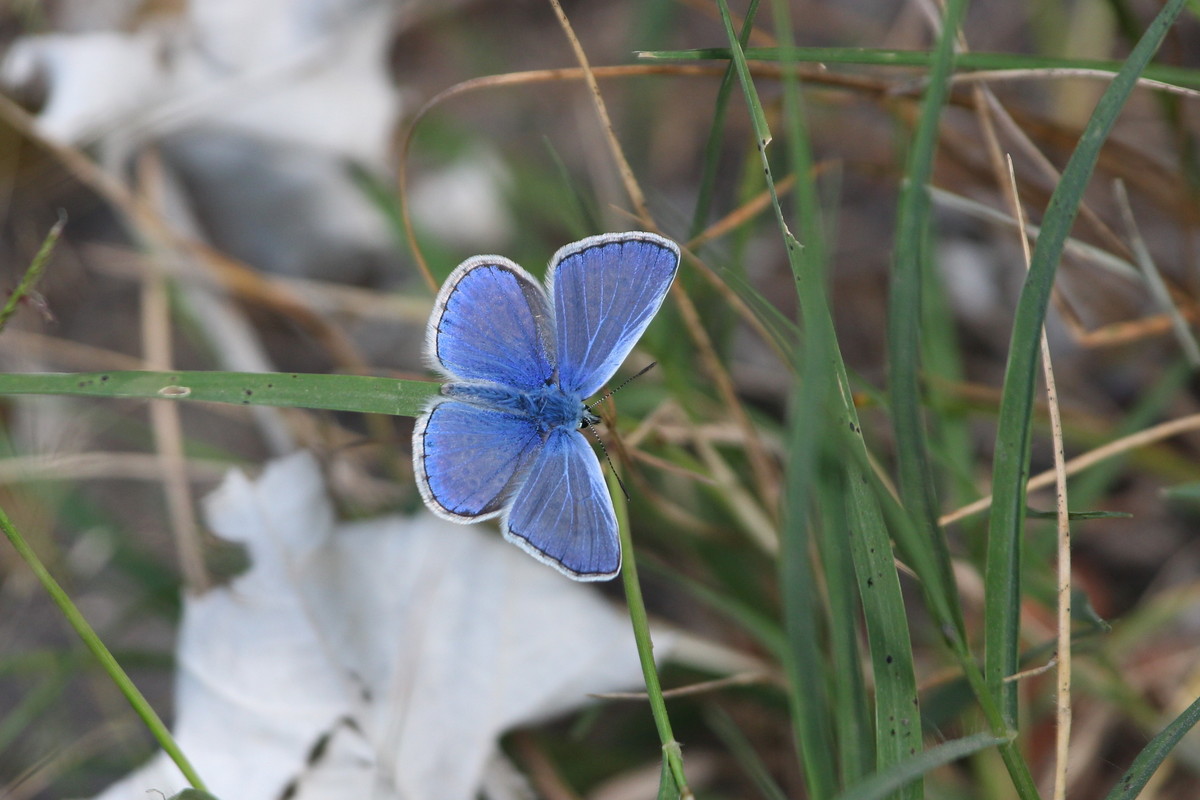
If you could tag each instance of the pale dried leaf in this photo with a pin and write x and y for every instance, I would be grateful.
(407, 644)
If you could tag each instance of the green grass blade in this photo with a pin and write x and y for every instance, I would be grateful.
(808, 202)
(904, 531)
(848, 696)
(1011, 464)
(917, 488)
(950, 437)
(804, 660)
(758, 117)
(926, 545)
(883, 784)
(897, 711)
(366, 394)
(712, 147)
(1153, 754)
(848, 691)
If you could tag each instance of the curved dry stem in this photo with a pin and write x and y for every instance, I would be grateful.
(1152, 435)
(1051, 172)
(499, 81)
(1056, 73)
(632, 188)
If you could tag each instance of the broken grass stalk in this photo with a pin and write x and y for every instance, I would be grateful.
(36, 267)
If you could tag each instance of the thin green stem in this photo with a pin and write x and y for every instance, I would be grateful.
(140, 706)
(672, 756)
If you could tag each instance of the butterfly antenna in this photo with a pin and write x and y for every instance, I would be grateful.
(607, 457)
(622, 385)
(596, 433)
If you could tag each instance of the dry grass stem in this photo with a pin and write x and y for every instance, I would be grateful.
(1154, 281)
(750, 678)
(1032, 672)
(1055, 73)
(766, 475)
(1156, 433)
(632, 188)
(1062, 728)
(164, 417)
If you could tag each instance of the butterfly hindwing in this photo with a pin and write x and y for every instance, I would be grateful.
(605, 290)
(491, 323)
(562, 514)
(468, 459)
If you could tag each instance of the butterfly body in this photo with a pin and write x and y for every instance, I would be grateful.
(503, 438)
(547, 406)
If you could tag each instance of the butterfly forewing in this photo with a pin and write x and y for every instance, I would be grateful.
(491, 323)
(605, 291)
(563, 514)
(469, 459)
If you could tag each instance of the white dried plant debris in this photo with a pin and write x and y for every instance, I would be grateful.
(302, 71)
(379, 658)
(235, 95)
(95, 82)
(465, 202)
(76, 16)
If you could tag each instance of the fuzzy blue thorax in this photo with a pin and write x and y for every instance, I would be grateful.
(548, 405)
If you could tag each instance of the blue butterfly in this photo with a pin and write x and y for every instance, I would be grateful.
(503, 439)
